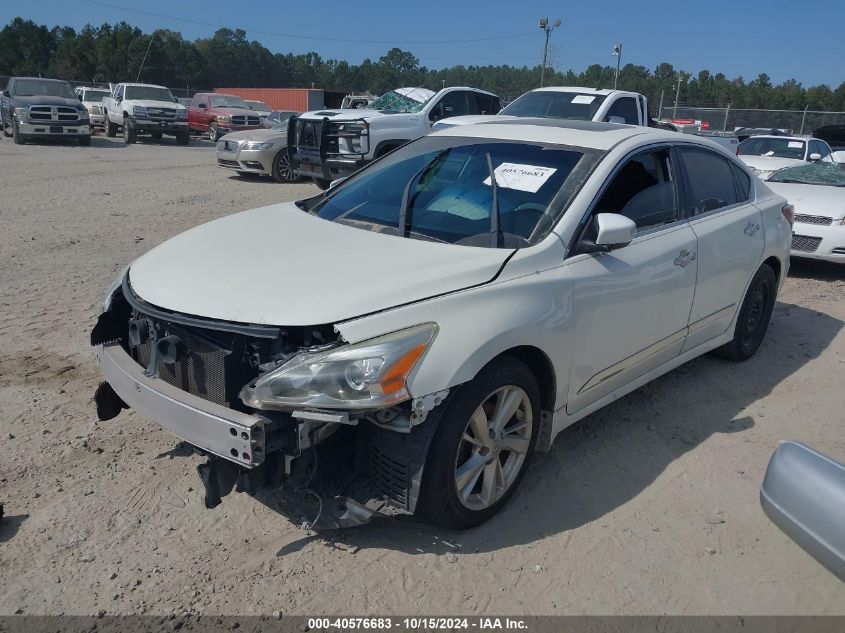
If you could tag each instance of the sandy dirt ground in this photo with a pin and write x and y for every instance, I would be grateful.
(649, 506)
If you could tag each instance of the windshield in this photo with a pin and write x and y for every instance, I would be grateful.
(151, 93)
(778, 147)
(396, 102)
(36, 88)
(829, 174)
(94, 96)
(555, 105)
(444, 186)
(259, 106)
(225, 101)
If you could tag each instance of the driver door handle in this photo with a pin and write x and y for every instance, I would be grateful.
(684, 258)
(751, 228)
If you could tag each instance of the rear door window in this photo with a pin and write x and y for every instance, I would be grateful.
(709, 180)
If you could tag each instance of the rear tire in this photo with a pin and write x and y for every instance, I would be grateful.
(6, 128)
(322, 183)
(754, 316)
(452, 495)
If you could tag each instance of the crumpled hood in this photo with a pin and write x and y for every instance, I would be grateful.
(281, 266)
(812, 199)
(48, 101)
(260, 135)
(342, 114)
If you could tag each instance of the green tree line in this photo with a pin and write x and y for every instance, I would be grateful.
(113, 53)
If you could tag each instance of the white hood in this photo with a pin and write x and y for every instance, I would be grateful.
(766, 165)
(471, 119)
(812, 199)
(153, 103)
(342, 114)
(281, 266)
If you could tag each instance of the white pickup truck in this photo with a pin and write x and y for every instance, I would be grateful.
(329, 144)
(145, 109)
(584, 104)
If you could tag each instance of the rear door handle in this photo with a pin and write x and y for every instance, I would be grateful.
(751, 228)
(684, 258)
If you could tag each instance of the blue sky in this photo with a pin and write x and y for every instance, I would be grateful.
(738, 37)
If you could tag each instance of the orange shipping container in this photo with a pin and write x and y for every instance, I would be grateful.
(289, 99)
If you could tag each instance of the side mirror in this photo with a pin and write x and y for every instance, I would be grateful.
(336, 182)
(803, 493)
(614, 230)
(616, 119)
(202, 106)
(815, 156)
(6, 93)
(437, 112)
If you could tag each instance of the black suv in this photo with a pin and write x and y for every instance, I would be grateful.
(35, 108)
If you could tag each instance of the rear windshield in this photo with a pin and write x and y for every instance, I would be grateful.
(444, 186)
(555, 105)
(94, 96)
(778, 147)
(37, 88)
(151, 93)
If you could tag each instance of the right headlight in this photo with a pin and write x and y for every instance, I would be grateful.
(224, 118)
(139, 111)
(365, 376)
(251, 146)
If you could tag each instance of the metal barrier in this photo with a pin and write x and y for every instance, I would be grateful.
(730, 119)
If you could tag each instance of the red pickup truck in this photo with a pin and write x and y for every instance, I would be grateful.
(217, 114)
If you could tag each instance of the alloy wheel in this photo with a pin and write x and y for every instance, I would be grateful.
(493, 447)
(284, 167)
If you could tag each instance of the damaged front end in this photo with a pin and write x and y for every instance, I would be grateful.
(291, 415)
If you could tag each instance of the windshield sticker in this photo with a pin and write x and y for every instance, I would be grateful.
(795, 145)
(585, 99)
(521, 177)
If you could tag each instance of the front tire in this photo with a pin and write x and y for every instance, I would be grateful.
(19, 138)
(85, 141)
(213, 133)
(183, 138)
(754, 316)
(482, 446)
(130, 135)
(111, 129)
(282, 171)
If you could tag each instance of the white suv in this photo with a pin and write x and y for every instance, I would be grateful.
(445, 312)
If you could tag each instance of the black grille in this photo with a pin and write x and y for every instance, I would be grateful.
(161, 114)
(805, 243)
(53, 113)
(204, 367)
(814, 219)
(390, 476)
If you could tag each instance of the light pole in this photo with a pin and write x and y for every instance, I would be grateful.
(617, 53)
(681, 77)
(544, 24)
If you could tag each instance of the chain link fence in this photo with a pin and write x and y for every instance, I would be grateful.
(731, 119)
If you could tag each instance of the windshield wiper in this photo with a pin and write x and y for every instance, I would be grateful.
(496, 235)
(402, 225)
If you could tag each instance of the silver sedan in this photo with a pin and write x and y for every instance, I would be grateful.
(257, 152)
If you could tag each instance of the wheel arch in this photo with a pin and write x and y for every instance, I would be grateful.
(776, 265)
(388, 146)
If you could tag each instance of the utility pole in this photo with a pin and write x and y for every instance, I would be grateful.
(544, 24)
(617, 53)
(681, 78)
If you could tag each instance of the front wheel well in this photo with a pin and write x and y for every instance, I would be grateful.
(540, 365)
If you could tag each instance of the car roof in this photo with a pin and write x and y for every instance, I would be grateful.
(780, 136)
(57, 81)
(601, 136)
(149, 85)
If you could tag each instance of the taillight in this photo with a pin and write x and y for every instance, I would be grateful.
(789, 213)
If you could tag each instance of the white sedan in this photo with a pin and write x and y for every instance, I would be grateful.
(766, 154)
(817, 192)
(444, 313)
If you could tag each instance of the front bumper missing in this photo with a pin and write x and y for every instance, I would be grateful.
(232, 435)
